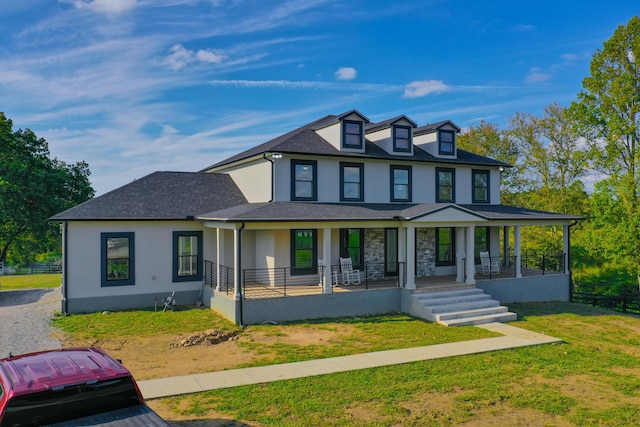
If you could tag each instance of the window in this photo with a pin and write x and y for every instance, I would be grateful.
(351, 134)
(117, 259)
(304, 252)
(480, 186)
(447, 142)
(187, 256)
(303, 179)
(445, 183)
(352, 245)
(400, 183)
(402, 139)
(445, 238)
(352, 179)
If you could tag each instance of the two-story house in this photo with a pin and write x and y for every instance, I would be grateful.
(339, 217)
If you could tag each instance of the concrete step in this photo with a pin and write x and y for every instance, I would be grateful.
(461, 306)
(453, 299)
(481, 320)
(471, 313)
(447, 294)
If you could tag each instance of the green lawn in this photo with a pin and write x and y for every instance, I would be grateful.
(30, 281)
(593, 379)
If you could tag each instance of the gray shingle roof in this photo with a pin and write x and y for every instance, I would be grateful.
(307, 211)
(160, 195)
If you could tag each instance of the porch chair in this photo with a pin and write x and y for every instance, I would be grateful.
(349, 275)
(489, 265)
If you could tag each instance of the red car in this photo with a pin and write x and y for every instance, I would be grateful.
(80, 386)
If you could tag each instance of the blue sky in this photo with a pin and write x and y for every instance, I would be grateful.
(135, 86)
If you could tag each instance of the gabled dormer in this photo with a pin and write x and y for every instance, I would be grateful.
(438, 139)
(345, 132)
(395, 136)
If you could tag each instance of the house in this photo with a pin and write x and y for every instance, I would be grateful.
(339, 217)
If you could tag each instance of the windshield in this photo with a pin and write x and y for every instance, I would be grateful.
(71, 402)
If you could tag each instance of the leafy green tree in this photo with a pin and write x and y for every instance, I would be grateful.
(33, 187)
(608, 115)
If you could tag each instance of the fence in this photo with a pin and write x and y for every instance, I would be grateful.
(622, 303)
(51, 268)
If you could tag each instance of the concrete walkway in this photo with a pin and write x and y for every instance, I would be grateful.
(512, 337)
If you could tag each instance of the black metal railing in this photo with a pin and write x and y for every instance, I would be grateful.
(531, 264)
(225, 284)
(622, 303)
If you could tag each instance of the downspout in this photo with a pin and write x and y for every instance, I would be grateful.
(273, 175)
(239, 273)
(569, 260)
(65, 268)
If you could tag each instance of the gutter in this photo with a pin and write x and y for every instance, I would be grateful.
(273, 175)
(65, 268)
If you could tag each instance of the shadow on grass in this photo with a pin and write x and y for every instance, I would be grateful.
(524, 310)
(210, 423)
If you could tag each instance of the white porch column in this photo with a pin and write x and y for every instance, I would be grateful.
(219, 247)
(237, 276)
(326, 257)
(516, 248)
(471, 264)
(402, 253)
(411, 257)
(459, 254)
(565, 246)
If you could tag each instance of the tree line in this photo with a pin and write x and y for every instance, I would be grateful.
(581, 159)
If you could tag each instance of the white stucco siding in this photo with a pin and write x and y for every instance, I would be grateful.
(253, 179)
(376, 182)
(494, 186)
(328, 180)
(424, 184)
(332, 134)
(464, 185)
(153, 257)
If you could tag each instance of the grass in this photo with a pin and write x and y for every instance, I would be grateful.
(30, 281)
(591, 380)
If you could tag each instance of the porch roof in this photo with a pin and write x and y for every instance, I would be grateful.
(313, 211)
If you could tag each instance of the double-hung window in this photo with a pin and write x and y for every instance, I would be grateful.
(480, 186)
(445, 185)
(304, 180)
(187, 256)
(400, 183)
(351, 134)
(402, 139)
(447, 141)
(352, 182)
(304, 251)
(117, 263)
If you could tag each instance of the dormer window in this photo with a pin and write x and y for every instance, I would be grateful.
(352, 134)
(402, 139)
(446, 140)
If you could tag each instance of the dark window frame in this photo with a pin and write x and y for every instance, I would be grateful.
(360, 134)
(313, 269)
(344, 246)
(314, 179)
(360, 166)
(441, 151)
(105, 281)
(452, 248)
(392, 169)
(453, 185)
(176, 257)
(409, 139)
(474, 173)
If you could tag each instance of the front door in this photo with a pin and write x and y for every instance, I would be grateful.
(391, 252)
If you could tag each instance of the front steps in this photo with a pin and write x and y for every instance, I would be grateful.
(459, 307)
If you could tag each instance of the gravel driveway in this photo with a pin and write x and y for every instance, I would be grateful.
(24, 320)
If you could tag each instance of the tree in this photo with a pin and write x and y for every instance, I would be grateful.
(33, 187)
(608, 115)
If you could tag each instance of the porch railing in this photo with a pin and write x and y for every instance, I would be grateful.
(531, 264)
(225, 284)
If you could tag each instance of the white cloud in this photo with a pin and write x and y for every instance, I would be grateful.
(346, 73)
(536, 75)
(422, 88)
(179, 57)
(108, 7)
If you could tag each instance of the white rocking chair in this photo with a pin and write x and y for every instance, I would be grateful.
(489, 265)
(349, 275)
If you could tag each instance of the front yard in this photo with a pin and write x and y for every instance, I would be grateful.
(593, 379)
